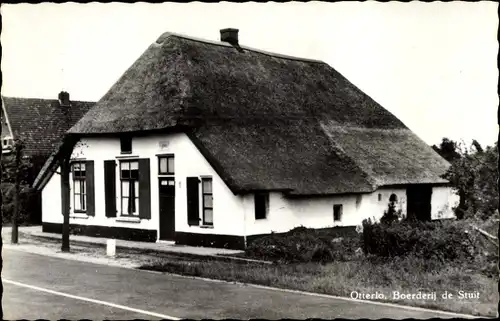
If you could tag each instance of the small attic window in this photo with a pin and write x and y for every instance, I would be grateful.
(379, 197)
(126, 145)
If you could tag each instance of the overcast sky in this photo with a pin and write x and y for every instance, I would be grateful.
(433, 65)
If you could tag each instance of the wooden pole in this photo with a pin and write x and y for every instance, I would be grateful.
(1, 221)
(65, 202)
(17, 199)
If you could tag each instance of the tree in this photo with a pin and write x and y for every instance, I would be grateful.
(474, 175)
(448, 149)
(17, 173)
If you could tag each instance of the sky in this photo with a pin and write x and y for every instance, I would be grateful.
(433, 65)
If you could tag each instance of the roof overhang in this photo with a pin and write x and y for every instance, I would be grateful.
(64, 150)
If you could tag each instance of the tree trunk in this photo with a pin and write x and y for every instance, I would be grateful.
(65, 203)
(17, 205)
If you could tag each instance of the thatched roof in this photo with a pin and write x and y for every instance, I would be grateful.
(265, 121)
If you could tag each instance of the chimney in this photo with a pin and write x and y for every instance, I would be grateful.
(229, 35)
(64, 99)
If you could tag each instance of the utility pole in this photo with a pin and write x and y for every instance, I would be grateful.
(65, 194)
(15, 215)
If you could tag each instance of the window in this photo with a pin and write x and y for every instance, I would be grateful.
(337, 212)
(206, 194)
(129, 178)
(166, 165)
(79, 187)
(126, 145)
(379, 197)
(261, 205)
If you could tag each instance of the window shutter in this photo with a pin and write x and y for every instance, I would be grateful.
(193, 200)
(110, 187)
(89, 177)
(144, 189)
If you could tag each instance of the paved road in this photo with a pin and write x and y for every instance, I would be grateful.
(41, 287)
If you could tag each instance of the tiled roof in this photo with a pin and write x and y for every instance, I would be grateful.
(41, 123)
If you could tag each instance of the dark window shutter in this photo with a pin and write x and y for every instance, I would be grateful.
(193, 200)
(89, 177)
(110, 187)
(144, 189)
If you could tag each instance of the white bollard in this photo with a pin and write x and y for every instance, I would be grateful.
(111, 247)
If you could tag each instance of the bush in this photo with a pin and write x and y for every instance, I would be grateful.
(441, 240)
(303, 245)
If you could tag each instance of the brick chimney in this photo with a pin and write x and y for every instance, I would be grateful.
(229, 35)
(64, 99)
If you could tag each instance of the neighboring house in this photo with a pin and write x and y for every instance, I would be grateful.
(213, 143)
(40, 124)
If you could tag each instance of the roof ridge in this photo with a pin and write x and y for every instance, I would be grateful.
(224, 44)
(48, 99)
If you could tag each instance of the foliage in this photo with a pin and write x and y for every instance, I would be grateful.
(473, 173)
(303, 245)
(27, 202)
(443, 241)
(26, 170)
(391, 214)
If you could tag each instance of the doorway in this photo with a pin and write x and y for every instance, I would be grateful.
(418, 198)
(166, 187)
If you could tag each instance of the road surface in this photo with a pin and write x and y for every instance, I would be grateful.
(42, 287)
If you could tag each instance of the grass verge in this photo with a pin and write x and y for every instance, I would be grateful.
(364, 275)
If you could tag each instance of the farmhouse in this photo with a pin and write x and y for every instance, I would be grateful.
(214, 143)
(40, 124)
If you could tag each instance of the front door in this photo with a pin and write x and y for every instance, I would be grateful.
(167, 208)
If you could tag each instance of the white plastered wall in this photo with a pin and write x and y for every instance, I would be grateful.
(228, 209)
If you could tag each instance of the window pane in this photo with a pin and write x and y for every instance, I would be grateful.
(82, 166)
(77, 187)
(208, 219)
(207, 185)
(124, 165)
(207, 201)
(82, 201)
(171, 168)
(76, 166)
(125, 188)
(134, 165)
(171, 183)
(78, 205)
(125, 174)
(134, 174)
(136, 206)
(82, 186)
(125, 205)
(163, 165)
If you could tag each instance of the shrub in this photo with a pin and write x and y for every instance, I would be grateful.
(303, 245)
(446, 240)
